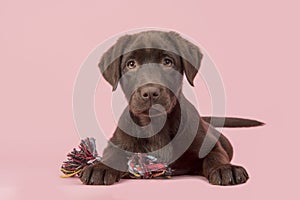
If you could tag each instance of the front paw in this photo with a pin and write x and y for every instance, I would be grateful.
(228, 175)
(99, 174)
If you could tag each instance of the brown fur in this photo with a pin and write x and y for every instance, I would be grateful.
(215, 166)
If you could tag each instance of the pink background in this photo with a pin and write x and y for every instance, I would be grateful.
(255, 45)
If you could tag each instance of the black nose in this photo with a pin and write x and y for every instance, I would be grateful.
(150, 92)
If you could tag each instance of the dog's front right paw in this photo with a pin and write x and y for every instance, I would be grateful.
(99, 174)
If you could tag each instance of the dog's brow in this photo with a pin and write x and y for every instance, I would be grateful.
(127, 57)
(164, 54)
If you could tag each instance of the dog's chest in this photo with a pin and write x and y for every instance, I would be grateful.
(156, 146)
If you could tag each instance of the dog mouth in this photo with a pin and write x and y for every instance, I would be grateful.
(156, 110)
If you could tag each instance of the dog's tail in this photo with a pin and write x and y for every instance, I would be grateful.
(232, 122)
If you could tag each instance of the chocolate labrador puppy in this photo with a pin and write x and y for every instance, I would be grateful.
(159, 120)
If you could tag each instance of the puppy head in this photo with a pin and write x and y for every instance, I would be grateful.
(149, 66)
(150, 77)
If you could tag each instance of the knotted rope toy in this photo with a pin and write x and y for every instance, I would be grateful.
(140, 165)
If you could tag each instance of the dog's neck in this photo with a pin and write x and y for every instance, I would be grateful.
(160, 139)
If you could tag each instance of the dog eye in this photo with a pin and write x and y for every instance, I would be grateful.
(131, 64)
(167, 62)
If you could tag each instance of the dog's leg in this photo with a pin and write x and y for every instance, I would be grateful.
(218, 170)
(216, 165)
(108, 171)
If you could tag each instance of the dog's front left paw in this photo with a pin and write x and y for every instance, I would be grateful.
(99, 174)
(228, 175)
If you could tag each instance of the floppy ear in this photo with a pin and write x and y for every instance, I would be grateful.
(191, 70)
(190, 57)
(110, 63)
